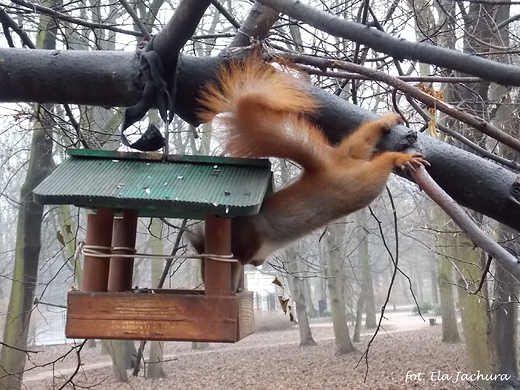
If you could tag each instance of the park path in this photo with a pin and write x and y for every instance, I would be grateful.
(395, 321)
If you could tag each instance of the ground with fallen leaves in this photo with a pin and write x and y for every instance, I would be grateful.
(407, 354)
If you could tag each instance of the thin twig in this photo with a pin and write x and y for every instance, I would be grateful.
(78, 365)
(26, 351)
(76, 126)
(395, 261)
(483, 278)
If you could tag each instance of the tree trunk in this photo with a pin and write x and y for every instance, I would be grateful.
(155, 361)
(476, 324)
(69, 237)
(450, 330)
(504, 311)
(367, 283)
(28, 244)
(434, 277)
(359, 316)
(505, 314)
(298, 295)
(312, 312)
(448, 243)
(28, 240)
(336, 281)
(156, 357)
(116, 350)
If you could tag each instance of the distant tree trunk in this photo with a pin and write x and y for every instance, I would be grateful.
(116, 350)
(156, 357)
(418, 283)
(367, 284)
(448, 245)
(450, 330)
(505, 315)
(359, 316)
(336, 282)
(505, 306)
(476, 322)
(69, 237)
(123, 354)
(312, 312)
(504, 311)
(295, 284)
(434, 278)
(28, 240)
(298, 295)
(28, 244)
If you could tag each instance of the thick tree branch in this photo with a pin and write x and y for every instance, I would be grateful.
(256, 25)
(475, 234)
(110, 79)
(100, 78)
(179, 29)
(397, 47)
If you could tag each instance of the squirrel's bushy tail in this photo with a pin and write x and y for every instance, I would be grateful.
(265, 113)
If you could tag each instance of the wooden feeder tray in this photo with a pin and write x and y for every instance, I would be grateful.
(172, 315)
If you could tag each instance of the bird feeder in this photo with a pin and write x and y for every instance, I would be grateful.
(121, 187)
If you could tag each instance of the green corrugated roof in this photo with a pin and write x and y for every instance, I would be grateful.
(184, 186)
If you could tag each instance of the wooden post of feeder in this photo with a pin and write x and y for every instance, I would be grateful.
(99, 236)
(123, 242)
(217, 274)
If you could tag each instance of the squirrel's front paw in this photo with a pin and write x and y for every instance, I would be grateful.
(415, 161)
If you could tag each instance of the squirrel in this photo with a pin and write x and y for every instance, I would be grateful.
(267, 116)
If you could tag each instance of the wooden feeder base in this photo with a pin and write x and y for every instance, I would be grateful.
(172, 315)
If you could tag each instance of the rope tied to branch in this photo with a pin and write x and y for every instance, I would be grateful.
(156, 93)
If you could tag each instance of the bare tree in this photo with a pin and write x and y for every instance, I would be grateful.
(356, 65)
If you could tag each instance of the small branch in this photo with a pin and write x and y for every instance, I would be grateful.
(419, 79)
(395, 262)
(9, 22)
(398, 48)
(49, 11)
(174, 251)
(39, 302)
(76, 126)
(26, 351)
(471, 120)
(78, 365)
(463, 140)
(225, 13)
(140, 25)
(483, 278)
(475, 234)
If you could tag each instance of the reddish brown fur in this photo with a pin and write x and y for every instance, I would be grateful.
(265, 119)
